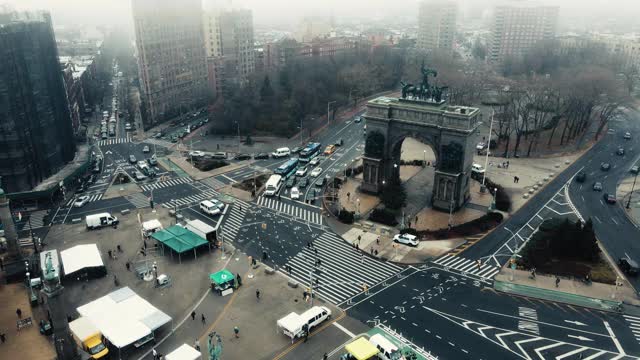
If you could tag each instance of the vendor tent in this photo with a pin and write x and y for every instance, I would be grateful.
(83, 259)
(151, 226)
(123, 317)
(179, 240)
(362, 349)
(184, 352)
(221, 277)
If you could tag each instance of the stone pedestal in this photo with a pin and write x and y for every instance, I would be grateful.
(372, 175)
(448, 192)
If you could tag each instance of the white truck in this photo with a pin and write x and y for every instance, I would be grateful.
(294, 325)
(201, 229)
(97, 221)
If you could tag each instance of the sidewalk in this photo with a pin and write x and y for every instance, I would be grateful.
(597, 295)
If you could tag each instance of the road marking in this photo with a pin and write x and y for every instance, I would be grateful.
(544, 323)
(614, 338)
(614, 221)
(578, 350)
(575, 322)
(550, 346)
(597, 218)
(344, 330)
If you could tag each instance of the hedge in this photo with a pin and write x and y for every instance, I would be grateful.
(383, 216)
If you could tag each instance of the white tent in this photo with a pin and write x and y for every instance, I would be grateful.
(184, 352)
(123, 317)
(151, 226)
(80, 257)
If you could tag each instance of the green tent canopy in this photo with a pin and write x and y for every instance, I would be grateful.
(179, 239)
(221, 277)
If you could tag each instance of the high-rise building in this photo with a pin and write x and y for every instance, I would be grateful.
(436, 25)
(518, 26)
(171, 57)
(36, 137)
(229, 47)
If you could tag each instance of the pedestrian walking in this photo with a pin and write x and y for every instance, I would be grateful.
(239, 280)
(193, 315)
(118, 248)
(362, 258)
(19, 313)
(372, 250)
(357, 247)
(154, 352)
(514, 179)
(258, 294)
(236, 332)
(3, 337)
(557, 281)
(128, 265)
(479, 263)
(378, 241)
(316, 251)
(110, 255)
(305, 328)
(197, 345)
(325, 356)
(115, 281)
(507, 164)
(204, 320)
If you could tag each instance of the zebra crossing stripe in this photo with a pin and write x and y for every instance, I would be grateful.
(291, 209)
(468, 266)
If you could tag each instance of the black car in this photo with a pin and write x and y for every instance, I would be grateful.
(581, 177)
(628, 266)
(597, 186)
(620, 151)
(296, 150)
(303, 183)
(357, 119)
(609, 198)
(290, 182)
(261, 156)
(340, 142)
(242, 157)
(605, 166)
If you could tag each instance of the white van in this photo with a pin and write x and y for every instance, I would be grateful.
(387, 349)
(209, 208)
(281, 152)
(273, 185)
(477, 168)
(294, 325)
(97, 221)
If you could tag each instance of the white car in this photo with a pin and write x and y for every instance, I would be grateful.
(477, 168)
(406, 239)
(81, 201)
(316, 172)
(481, 146)
(196, 153)
(302, 171)
(217, 203)
(315, 161)
(295, 193)
(627, 135)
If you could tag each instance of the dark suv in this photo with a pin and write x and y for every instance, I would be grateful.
(581, 177)
(628, 266)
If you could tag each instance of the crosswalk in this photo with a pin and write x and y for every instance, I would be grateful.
(36, 220)
(634, 325)
(469, 267)
(292, 208)
(213, 183)
(166, 183)
(188, 200)
(114, 141)
(92, 198)
(234, 220)
(139, 200)
(342, 270)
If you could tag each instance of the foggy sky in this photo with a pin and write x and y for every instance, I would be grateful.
(118, 12)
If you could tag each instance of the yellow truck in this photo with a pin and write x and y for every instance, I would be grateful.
(88, 338)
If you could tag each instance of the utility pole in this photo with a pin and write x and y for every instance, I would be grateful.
(238, 122)
(633, 187)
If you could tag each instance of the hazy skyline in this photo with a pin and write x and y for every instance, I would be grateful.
(118, 12)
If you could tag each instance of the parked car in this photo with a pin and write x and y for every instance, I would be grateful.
(219, 155)
(301, 171)
(609, 198)
(477, 168)
(634, 170)
(303, 183)
(628, 266)
(620, 151)
(81, 201)
(481, 146)
(597, 186)
(406, 239)
(242, 157)
(581, 177)
(295, 193)
(261, 156)
(316, 172)
(605, 166)
(290, 182)
(145, 149)
(627, 136)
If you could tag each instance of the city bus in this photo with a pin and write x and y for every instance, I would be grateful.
(287, 169)
(309, 152)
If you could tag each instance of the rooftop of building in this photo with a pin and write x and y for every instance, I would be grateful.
(441, 106)
(77, 64)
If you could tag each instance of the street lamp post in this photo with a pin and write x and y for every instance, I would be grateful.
(358, 208)
(301, 131)
(238, 122)
(632, 189)
(424, 160)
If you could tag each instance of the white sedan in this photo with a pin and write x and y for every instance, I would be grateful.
(302, 171)
(196, 153)
(295, 193)
(316, 172)
(406, 239)
(315, 161)
(81, 201)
